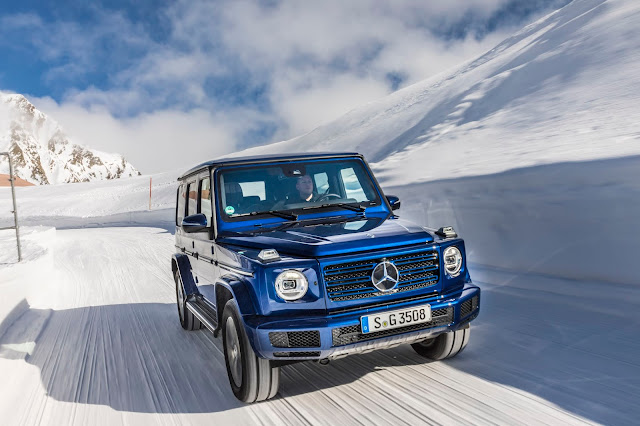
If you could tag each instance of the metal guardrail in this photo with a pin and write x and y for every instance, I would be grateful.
(15, 207)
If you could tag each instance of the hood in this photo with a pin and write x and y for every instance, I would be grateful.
(304, 240)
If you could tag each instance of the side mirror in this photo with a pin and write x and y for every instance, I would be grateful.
(394, 202)
(194, 223)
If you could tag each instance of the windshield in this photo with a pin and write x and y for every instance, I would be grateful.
(295, 187)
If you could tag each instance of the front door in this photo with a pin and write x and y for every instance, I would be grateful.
(199, 245)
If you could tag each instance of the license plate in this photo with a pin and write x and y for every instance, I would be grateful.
(395, 319)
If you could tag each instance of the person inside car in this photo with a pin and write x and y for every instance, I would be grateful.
(303, 193)
(304, 186)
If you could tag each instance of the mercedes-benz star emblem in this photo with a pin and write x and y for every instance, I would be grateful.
(385, 276)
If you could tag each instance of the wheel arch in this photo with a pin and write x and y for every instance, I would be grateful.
(231, 287)
(180, 263)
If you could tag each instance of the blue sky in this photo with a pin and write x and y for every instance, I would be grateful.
(217, 76)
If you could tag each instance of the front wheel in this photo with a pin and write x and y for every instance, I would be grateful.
(252, 379)
(446, 345)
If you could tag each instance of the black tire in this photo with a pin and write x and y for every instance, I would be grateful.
(188, 321)
(252, 379)
(446, 345)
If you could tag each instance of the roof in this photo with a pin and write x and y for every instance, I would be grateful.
(4, 181)
(270, 158)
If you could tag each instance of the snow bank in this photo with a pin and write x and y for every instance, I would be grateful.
(34, 243)
(577, 221)
(121, 201)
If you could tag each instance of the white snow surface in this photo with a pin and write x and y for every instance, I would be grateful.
(89, 332)
(564, 88)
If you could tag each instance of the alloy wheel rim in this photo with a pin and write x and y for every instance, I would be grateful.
(233, 352)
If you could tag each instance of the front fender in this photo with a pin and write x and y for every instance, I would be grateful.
(239, 290)
(180, 263)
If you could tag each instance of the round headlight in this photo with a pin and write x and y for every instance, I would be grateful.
(452, 260)
(291, 285)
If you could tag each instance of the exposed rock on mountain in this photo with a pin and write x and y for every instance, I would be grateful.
(43, 154)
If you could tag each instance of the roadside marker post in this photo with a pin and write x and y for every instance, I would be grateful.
(15, 207)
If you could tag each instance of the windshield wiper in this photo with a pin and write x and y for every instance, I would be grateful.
(347, 206)
(276, 213)
(309, 222)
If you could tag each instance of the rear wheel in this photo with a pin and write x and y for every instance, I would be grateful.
(446, 345)
(252, 379)
(188, 321)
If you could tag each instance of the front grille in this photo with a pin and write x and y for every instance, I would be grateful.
(351, 281)
(295, 339)
(468, 306)
(296, 354)
(353, 333)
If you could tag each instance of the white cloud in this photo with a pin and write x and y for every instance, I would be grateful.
(158, 141)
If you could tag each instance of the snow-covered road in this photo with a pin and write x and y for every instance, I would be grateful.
(90, 336)
(89, 331)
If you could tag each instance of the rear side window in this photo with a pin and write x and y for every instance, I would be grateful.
(254, 189)
(192, 202)
(182, 197)
(205, 201)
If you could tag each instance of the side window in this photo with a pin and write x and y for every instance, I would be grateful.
(205, 201)
(182, 196)
(253, 189)
(192, 203)
(322, 182)
(352, 185)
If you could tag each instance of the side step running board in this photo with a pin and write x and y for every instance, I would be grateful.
(203, 316)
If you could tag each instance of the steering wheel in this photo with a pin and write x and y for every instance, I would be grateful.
(325, 197)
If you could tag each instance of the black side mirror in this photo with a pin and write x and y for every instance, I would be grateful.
(394, 202)
(194, 223)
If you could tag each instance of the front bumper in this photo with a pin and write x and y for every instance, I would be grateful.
(336, 336)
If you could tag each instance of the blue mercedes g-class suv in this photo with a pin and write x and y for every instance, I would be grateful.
(301, 257)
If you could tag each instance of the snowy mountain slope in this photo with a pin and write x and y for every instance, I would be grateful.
(564, 88)
(42, 152)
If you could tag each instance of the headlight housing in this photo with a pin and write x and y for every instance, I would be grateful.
(452, 261)
(291, 285)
